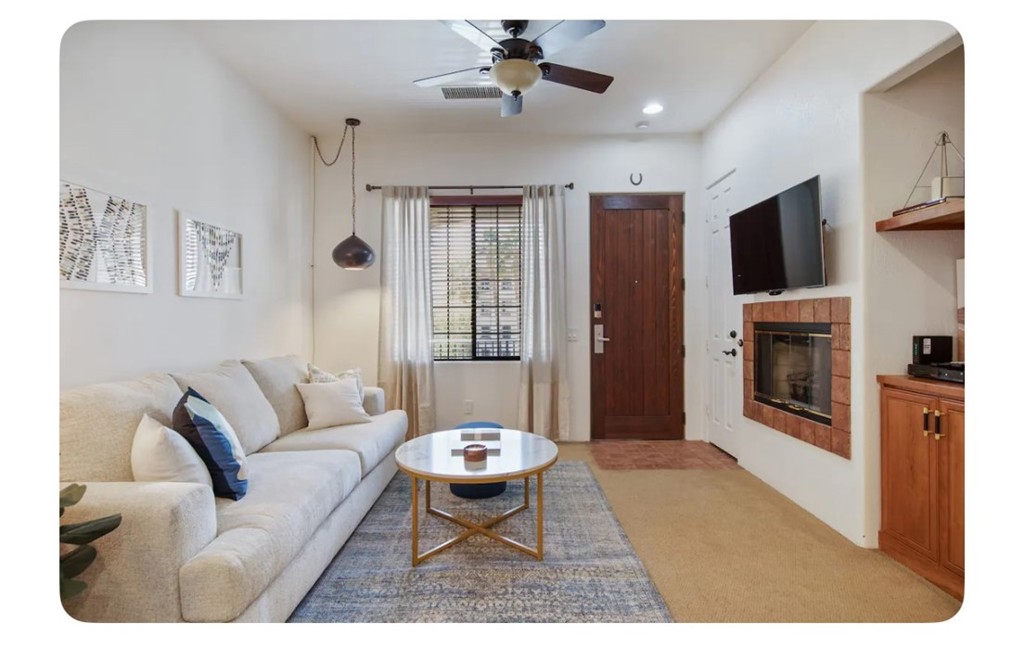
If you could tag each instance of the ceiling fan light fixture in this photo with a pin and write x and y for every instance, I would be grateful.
(515, 76)
(653, 108)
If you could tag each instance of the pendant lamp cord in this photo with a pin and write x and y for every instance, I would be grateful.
(317, 145)
(335, 160)
(353, 177)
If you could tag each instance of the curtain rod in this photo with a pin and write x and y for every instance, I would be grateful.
(371, 188)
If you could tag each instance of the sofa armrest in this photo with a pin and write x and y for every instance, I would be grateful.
(373, 400)
(135, 576)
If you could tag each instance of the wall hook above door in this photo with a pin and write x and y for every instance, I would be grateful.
(638, 181)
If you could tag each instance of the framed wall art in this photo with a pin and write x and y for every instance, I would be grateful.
(104, 241)
(210, 259)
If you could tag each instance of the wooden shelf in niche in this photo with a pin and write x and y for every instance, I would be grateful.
(948, 214)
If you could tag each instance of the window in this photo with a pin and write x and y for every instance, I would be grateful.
(475, 267)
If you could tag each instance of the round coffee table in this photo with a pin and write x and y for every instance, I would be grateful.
(438, 457)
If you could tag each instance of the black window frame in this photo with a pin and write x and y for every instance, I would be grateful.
(474, 201)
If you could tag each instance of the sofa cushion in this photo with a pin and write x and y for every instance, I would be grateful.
(332, 404)
(162, 454)
(277, 377)
(233, 391)
(212, 437)
(290, 495)
(98, 424)
(318, 375)
(372, 441)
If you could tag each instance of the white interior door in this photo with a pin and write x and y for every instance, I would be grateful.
(725, 317)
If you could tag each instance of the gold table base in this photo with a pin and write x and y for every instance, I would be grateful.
(472, 528)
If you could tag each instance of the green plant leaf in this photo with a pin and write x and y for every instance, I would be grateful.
(76, 561)
(86, 532)
(69, 587)
(71, 495)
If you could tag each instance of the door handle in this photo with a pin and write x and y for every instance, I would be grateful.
(599, 338)
(731, 352)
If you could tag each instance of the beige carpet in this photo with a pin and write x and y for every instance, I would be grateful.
(721, 545)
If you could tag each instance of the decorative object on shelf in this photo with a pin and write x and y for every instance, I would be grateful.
(210, 259)
(353, 253)
(942, 187)
(80, 535)
(104, 242)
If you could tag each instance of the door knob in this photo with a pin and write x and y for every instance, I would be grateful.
(731, 352)
(732, 334)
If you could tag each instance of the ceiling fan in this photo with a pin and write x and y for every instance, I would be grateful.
(518, 64)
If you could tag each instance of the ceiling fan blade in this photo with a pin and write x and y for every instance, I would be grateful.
(579, 78)
(470, 31)
(511, 105)
(465, 75)
(564, 33)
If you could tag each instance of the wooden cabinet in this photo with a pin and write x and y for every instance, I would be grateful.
(923, 478)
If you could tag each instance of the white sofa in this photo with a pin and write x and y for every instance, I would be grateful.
(181, 554)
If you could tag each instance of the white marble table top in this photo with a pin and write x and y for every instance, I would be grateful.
(437, 456)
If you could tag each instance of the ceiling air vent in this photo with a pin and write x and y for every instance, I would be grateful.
(471, 92)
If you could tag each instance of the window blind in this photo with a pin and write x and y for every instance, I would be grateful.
(475, 261)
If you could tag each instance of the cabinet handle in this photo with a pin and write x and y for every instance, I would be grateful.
(938, 425)
(925, 418)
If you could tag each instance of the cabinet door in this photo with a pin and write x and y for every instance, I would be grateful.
(909, 472)
(951, 486)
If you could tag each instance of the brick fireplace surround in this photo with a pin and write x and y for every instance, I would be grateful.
(835, 439)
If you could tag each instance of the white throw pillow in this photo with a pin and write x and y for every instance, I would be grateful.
(318, 375)
(333, 404)
(162, 454)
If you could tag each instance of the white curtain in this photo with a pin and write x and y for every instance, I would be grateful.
(543, 379)
(406, 360)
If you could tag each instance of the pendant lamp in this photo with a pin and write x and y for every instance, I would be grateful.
(353, 253)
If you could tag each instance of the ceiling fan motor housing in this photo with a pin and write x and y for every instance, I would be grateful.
(514, 28)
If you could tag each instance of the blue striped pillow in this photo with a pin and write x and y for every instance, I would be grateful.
(205, 428)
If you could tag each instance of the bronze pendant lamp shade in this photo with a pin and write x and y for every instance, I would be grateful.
(353, 253)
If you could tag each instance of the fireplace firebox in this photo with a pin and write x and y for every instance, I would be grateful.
(793, 368)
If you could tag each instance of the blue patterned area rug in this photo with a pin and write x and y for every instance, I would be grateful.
(589, 573)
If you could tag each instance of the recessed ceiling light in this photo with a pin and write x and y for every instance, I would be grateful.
(653, 108)
(642, 125)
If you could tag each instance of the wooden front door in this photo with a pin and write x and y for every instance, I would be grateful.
(636, 315)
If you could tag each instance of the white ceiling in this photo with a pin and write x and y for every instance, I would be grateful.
(319, 72)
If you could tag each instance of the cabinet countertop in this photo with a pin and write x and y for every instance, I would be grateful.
(923, 386)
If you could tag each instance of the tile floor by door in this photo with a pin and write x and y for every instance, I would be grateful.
(660, 455)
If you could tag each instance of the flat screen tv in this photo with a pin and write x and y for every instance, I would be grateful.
(777, 243)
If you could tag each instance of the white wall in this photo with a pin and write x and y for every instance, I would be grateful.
(912, 272)
(147, 113)
(347, 302)
(801, 118)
